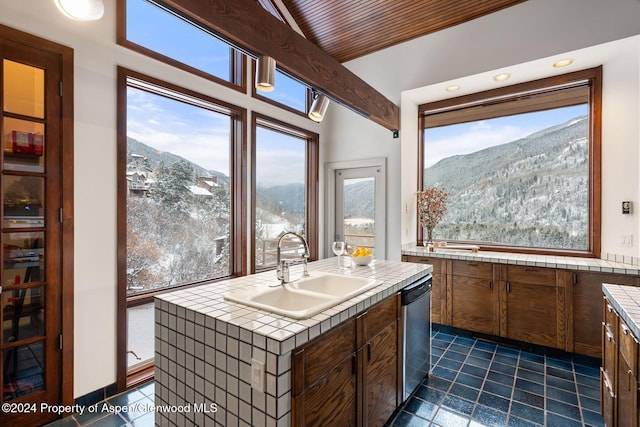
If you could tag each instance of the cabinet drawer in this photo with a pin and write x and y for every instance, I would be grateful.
(534, 275)
(610, 355)
(628, 346)
(481, 270)
(611, 319)
(380, 316)
(436, 262)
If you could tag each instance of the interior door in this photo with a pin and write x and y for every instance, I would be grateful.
(31, 233)
(360, 208)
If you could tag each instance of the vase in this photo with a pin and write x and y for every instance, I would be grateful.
(429, 236)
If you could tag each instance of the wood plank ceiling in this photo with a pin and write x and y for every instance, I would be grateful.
(347, 29)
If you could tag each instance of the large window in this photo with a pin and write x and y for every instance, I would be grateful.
(520, 164)
(285, 187)
(180, 197)
(151, 28)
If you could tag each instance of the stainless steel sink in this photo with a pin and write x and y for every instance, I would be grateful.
(306, 297)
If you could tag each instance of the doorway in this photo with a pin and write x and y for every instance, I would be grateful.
(356, 205)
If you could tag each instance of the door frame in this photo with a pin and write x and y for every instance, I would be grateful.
(66, 56)
(330, 198)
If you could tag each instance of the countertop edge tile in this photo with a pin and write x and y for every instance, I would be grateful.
(560, 262)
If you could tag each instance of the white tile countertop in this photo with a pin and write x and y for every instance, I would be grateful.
(281, 334)
(626, 301)
(549, 261)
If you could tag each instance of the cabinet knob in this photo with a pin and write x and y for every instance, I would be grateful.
(609, 335)
(625, 329)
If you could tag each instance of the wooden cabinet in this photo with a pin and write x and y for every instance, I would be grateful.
(619, 373)
(324, 388)
(438, 286)
(380, 362)
(510, 300)
(359, 384)
(516, 302)
(532, 305)
(627, 386)
(472, 297)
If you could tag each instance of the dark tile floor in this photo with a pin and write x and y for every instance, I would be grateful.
(480, 383)
(139, 398)
(473, 383)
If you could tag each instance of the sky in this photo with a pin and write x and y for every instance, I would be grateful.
(152, 27)
(465, 138)
(280, 158)
(200, 136)
(165, 124)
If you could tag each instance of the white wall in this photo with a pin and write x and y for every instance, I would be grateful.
(516, 38)
(96, 59)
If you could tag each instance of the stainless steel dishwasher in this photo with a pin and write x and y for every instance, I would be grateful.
(416, 319)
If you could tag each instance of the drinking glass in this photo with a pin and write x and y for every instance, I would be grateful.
(338, 250)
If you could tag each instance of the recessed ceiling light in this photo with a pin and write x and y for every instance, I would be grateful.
(81, 10)
(452, 88)
(501, 77)
(563, 63)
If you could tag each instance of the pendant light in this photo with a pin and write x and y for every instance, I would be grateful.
(318, 106)
(265, 73)
(81, 10)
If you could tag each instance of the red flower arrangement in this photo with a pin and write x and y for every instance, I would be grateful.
(432, 205)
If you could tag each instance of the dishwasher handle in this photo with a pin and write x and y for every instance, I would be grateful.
(416, 290)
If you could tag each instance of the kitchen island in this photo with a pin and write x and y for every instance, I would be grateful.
(210, 351)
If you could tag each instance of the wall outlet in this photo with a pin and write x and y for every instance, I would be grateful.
(626, 240)
(257, 375)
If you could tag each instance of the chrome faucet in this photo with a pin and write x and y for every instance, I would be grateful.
(283, 264)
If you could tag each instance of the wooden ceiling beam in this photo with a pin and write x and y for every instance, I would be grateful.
(247, 26)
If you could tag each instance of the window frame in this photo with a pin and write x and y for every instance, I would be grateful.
(311, 182)
(256, 94)
(238, 63)
(238, 197)
(593, 78)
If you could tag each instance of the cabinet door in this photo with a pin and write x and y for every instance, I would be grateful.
(473, 301)
(381, 375)
(627, 394)
(627, 385)
(31, 231)
(324, 379)
(472, 304)
(531, 302)
(379, 346)
(607, 401)
(331, 401)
